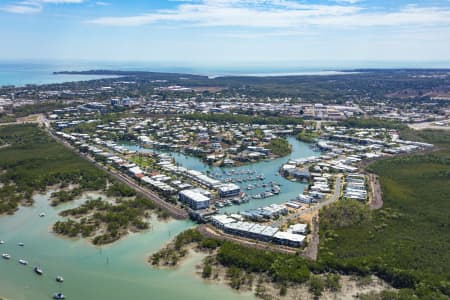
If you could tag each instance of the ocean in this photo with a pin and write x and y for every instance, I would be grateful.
(21, 73)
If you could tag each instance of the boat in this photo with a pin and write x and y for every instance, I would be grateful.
(267, 194)
(38, 271)
(6, 256)
(21, 244)
(23, 262)
(59, 279)
(236, 201)
(42, 214)
(59, 296)
(2, 242)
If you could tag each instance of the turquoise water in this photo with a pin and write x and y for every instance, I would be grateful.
(289, 189)
(20, 73)
(117, 271)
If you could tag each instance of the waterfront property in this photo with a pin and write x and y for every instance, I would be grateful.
(196, 198)
(259, 232)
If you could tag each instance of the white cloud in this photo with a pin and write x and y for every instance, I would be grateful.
(33, 6)
(23, 7)
(256, 13)
(61, 1)
(281, 14)
(101, 3)
(347, 1)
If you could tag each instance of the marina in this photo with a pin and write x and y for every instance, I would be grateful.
(260, 181)
(118, 270)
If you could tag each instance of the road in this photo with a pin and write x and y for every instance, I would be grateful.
(335, 196)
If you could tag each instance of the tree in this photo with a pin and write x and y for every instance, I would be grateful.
(316, 285)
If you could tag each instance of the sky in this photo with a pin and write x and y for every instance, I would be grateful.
(273, 32)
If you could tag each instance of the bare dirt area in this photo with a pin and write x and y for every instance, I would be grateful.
(375, 195)
(312, 249)
(431, 125)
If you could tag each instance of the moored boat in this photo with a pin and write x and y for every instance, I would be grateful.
(6, 256)
(59, 296)
(38, 270)
(59, 279)
(23, 262)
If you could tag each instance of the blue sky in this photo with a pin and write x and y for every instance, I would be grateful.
(226, 31)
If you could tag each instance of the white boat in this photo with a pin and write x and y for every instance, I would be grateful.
(6, 256)
(38, 270)
(42, 214)
(2, 242)
(59, 279)
(23, 262)
(21, 244)
(59, 296)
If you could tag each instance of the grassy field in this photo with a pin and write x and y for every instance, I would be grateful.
(33, 161)
(407, 242)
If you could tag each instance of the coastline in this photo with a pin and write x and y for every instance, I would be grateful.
(261, 286)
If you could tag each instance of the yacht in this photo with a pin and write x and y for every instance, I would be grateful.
(276, 190)
(2, 242)
(38, 270)
(21, 244)
(23, 262)
(42, 214)
(58, 296)
(60, 279)
(6, 256)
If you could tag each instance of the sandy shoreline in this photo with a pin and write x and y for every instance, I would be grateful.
(350, 286)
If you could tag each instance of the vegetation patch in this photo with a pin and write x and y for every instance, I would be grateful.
(242, 118)
(371, 123)
(307, 136)
(34, 161)
(175, 251)
(279, 147)
(105, 222)
(344, 213)
(403, 243)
